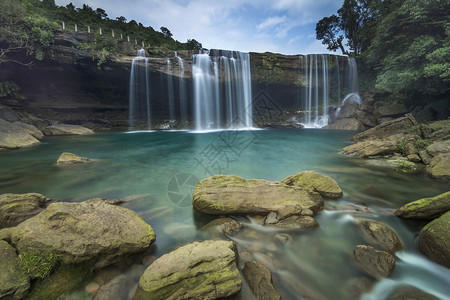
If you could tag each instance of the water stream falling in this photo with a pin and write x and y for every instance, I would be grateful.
(171, 100)
(139, 99)
(222, 90)
(182, 93)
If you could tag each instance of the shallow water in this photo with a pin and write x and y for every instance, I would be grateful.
(159, 169)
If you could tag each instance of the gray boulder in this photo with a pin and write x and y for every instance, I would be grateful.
(379, 234)
(91, 231)
(439, 166)
(15, 208)
(378, 146)
(259, 279)
(66, 129)
(386, 129)
(13, 136)
(346, 124)
(376, 263)
(434, 240)
(14, 283)
(200, 270)
(31, 129)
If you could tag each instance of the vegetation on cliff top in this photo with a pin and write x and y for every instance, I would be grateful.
(404, 44)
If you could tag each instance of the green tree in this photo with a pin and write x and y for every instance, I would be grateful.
(166, 32)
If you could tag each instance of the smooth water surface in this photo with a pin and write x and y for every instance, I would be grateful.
(158, 170)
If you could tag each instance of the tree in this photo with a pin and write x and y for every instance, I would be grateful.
(328, 30)
(70, 7)
(193, 45)
(166, 32)
(121, 19)
(101, 13)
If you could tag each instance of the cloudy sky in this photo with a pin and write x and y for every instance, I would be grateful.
(283, 26)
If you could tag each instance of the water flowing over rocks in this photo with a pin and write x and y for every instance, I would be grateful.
(380, 235)
(67, 158)
(91, 231)
(14, 283)
(259, 278)
(15, 208)
(434, 240)
(426, 208)
(377, 263)
(221, 227)
(200, 270)
(66, 129)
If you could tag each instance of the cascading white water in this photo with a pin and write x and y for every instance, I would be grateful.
(182, 93)
(222, 90)
(170, 92)
(317, 78)
(139, 98)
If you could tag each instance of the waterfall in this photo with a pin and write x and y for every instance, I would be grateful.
(222, 90)
(139, 102)
(316, 84)
(182, 93)
(170, 93)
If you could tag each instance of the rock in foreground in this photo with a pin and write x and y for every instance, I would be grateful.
(67, 158)
(90, 231)
(434, 240)
(230, 194)
(14, 283)
(376, 263)
(315, 182)
(259, 279)
(426, 208)
(66, 129)
(200, 270)
(15, 208)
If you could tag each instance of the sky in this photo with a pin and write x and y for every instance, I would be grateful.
(280, 26)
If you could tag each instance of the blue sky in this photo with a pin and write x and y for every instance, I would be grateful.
(282, 26)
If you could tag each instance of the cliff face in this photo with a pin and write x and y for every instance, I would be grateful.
(69, 86)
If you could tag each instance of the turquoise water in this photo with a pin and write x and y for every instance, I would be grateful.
(157, 172)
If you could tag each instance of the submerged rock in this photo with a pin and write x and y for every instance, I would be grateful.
(15, 208)
(200, 270)
(259, 279)
(14, 283)
(66, 129)
(13, 136)
(67, 158)
(434, 240)
(88, 231)
(380, 234)
(408, 292)
(231, 194)
(220, 227)
(313, 181)
(425, 208)
(117, 288)
(376, 263)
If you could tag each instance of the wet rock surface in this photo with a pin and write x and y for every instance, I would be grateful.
(434, 240)
(376, 263)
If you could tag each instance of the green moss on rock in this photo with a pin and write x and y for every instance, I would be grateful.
(14, 283)
(425, 208)
(315, 182)
(434, 240)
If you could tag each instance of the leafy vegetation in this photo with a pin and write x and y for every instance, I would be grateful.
(404, 43)
(27, 30)
(8, 88)
(38, 265)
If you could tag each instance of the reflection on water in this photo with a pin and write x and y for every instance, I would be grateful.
(158, 170)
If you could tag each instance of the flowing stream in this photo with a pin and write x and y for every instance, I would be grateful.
(159, 169)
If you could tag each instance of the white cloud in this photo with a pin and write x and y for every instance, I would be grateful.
(270, 22)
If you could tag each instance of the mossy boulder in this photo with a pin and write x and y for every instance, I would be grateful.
(425, 208)
(67, 158)
(376, 263)
(90, 231)
(434, 240)
(313, 181)
(440, 166)
(66, 129)
(14, 283)
(380, 234)
(231, 194)
(200, 270)
(13, 136)
(367, 148)
(15, 208)
(386, 129)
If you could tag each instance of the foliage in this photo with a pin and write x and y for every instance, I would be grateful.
(38, 265)
(401, 146)
(8, 88)
(404, 166)
(101, 48)
(421, 144)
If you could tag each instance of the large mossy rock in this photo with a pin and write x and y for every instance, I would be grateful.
(313, 181)
(380, 234)
(200, 270)
(387, 129)
(425, 208)
(231, 194)
(67, 158)
(346, 124)
(15, 208)
(14, 283)
(90, 231)
(377, 263)
(13, 136)
(380, 146)
(434, 240)
(66, 129)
